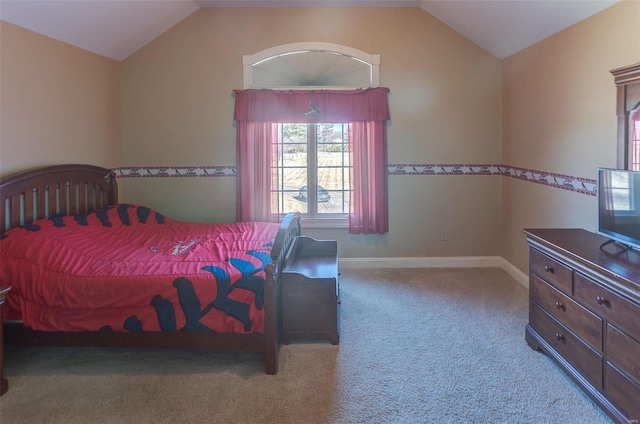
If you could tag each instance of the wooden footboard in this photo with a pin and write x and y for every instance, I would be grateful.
(289, 230)
(76, 189)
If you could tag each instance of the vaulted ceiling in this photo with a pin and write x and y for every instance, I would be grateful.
(118, 28)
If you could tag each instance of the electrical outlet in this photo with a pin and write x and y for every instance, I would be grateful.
(444, 235)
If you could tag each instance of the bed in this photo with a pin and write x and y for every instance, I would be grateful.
(85, 270)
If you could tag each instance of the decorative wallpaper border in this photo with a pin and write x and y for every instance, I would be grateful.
(176, 171)
(445, 169)
(566, 182)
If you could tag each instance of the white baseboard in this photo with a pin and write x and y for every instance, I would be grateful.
(439, 262)
(515, 273)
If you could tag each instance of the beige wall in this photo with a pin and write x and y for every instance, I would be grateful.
(550, 107)
(59, 104)
(177, 109)
(559, 116)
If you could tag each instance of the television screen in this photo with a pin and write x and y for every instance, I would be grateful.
(619, 206)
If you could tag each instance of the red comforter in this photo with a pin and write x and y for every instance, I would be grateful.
(128, 268)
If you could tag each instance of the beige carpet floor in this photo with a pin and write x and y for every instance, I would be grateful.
(417, 346)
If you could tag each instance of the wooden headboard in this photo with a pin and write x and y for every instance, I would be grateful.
(43, 192)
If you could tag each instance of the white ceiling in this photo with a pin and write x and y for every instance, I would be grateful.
(118, 28)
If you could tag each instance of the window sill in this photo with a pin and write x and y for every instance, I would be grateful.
(325, 222)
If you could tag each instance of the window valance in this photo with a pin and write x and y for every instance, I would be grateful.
(299, 106)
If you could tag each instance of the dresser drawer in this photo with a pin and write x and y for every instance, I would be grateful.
(607, 304)
(584, 359)
(623, 392)
(551, 271)
(579, 320)
(624, 352)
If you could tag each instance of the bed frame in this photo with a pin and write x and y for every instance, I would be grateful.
(80, 189)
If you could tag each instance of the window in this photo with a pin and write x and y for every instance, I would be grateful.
(634, 142)
(313, 170)
(311, 65)
(621, 191)
(627, 80)
(311, 137)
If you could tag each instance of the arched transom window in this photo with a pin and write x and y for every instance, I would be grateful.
(311, 65)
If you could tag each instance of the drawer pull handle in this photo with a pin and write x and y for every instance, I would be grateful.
(549, 269)
(559, 337)
(601, 300)
(559, 305)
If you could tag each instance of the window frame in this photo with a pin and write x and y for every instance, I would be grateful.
(313, 218)
(368, 211)
(627, 81)
(249, 61)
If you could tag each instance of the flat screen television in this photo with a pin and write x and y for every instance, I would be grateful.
(619, 206)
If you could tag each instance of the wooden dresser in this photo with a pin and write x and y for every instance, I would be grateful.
(310, 291)
(584, 312)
